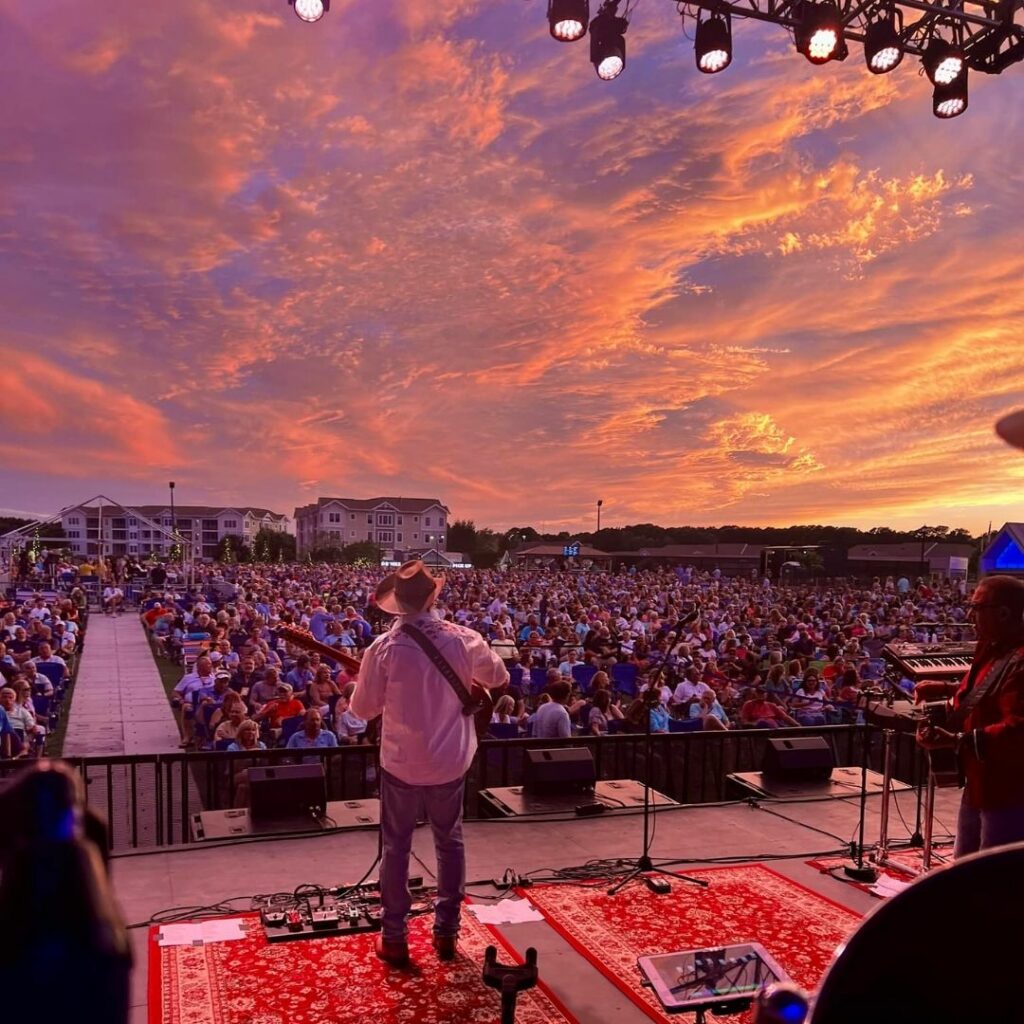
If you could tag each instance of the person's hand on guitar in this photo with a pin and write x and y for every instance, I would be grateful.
(933, 689)
(933, 737)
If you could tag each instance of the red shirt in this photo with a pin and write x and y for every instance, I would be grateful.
(996, 780)
(755, 710)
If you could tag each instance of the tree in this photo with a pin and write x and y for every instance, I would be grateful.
(231, 548)
(462, 536)
(273, 546)
(362, 552)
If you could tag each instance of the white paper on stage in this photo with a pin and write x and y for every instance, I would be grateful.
(505, 912)
(198, 932)
(888, 886)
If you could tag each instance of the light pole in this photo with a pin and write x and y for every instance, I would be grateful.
(600, 502)
(174, 522)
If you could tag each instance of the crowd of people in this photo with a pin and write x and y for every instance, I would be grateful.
(40, 640)
(588, 652)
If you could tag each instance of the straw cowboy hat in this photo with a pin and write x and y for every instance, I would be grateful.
(408, 590)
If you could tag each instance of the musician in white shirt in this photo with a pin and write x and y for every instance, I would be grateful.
(427, 745)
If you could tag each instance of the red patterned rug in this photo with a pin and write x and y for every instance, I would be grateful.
(333, 981)
(798, 927)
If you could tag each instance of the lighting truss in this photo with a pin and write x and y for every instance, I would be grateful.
(989, 32)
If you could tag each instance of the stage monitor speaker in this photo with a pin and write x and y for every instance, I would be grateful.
(558, 770)
(287, 792)
(798, 759)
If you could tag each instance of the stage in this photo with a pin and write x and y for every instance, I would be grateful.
(783, 835)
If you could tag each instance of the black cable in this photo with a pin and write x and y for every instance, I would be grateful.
(831, 835)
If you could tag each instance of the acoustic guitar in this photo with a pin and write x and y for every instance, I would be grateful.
(483, 703)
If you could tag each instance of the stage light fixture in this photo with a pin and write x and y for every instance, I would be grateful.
(608, 42)
(310, 10)
(943, 62)
(819, 31)
(568, 19)
(713, 44)
(883, 49)
(950, 98)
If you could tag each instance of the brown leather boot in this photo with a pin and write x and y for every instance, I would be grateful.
(445, 946)
(394, 953)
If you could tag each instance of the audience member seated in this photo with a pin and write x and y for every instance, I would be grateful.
(200, 678)
(113, 599)
(709, 711)
(760, 713)
(312, 733)
(348, 726)
(552, 720)
(809, 704)
(285, 705)
(602, 710)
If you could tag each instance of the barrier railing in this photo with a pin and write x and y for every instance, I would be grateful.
(149, 799)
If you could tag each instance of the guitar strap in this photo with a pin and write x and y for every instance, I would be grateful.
(440, 662)
(975, 694)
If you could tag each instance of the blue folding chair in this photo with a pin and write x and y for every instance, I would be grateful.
(503, 730)
(222, 744)
(538, 680)
(624, 678)
(52, 672)
(584, 675)
(685, 724)
(289, 727)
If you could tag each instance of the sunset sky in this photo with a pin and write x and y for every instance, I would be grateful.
(419, 248)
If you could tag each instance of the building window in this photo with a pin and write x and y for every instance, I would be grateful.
(369, 534)
(399, 538)
(385, 537)
(352, 516)
(416, 519)
(415, 536)
(399, 520)
(352, 533)
(426, 520)
(334, 517)
(74, 521)
(369, 520)
(230, 524)
(385, 519)
(74, 533)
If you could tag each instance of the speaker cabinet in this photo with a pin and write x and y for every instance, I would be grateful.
(798, 759)
(286, 793)
(558, 770)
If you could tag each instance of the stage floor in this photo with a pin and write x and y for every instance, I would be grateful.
(783, 833)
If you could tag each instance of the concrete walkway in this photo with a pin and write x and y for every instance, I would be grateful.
(119, 705)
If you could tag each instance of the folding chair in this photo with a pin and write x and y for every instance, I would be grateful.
(289, 727)
(685, 725)
(503, 730)
(538, 680)
(624, 678)
(584, 675)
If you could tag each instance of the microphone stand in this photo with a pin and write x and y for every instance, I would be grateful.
(642, 866)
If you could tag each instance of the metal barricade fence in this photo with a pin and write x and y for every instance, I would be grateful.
(149, 800)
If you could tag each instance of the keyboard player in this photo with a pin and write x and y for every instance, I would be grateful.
(986, 722)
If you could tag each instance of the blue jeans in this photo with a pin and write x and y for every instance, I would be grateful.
(400, 806)
(980, 830)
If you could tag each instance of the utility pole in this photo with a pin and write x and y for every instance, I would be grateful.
(600, 502)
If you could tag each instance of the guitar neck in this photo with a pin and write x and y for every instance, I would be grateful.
(310, 643)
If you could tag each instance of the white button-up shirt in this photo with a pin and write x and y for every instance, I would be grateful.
(426, 738)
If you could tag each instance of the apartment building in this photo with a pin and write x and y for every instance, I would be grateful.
(146, 529)
(405, 525)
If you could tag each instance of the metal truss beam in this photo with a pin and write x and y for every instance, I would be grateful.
(991, 32)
